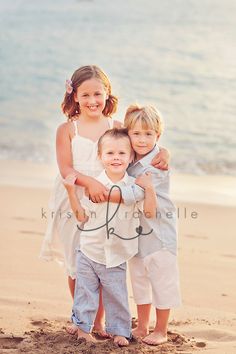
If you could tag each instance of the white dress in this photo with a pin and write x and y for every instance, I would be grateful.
(62, 235)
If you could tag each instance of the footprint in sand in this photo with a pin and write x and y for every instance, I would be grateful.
(213, 335)
(10, 342)
(196, 236)
(41, 324)
(22, 218)
(200, 344)
(229, 255)
(28, 232)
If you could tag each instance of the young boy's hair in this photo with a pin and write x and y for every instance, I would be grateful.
(115, 133)
(148, 115)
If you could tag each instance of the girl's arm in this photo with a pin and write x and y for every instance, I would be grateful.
(162, 159)
(95, 189)
(150, 198)
(63, 150)
(78, 210)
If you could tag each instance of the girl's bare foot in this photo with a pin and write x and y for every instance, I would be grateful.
(121, 341)
(87, 336)
(72, 329)
(101, 332)
(140, 332)
(155, 338)
(98, 328)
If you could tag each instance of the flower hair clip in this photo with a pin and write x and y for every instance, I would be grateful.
(69, 87)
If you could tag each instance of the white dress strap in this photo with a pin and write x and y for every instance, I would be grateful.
(76, 127)
(110, 122)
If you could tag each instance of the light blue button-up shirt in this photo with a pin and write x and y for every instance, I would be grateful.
(164, 234)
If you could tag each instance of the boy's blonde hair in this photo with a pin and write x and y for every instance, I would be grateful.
(148, 115)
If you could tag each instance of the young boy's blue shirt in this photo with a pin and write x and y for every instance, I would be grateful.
(163, 225)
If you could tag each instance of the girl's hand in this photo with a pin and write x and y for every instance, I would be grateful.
(96, 191)
(161, 160)
(80, 214)
(76, 207)
(144, 181)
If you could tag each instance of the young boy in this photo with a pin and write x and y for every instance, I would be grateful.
(107, 242)
(154, 270)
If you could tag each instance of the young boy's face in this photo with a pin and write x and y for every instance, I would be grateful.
(115, 155)
(143, 140)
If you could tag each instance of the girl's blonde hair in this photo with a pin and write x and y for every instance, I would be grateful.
(149, 117)
(71, 108)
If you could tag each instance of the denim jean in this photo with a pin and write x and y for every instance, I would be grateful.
(89, 276)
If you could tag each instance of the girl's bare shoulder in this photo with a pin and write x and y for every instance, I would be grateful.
(66, 128)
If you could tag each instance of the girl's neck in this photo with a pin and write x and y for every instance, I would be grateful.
(93, 120)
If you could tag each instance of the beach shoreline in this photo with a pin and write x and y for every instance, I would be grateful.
(205, 189)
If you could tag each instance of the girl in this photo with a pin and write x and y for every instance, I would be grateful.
(88, 105)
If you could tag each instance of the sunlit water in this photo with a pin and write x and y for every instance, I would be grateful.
(176, 54)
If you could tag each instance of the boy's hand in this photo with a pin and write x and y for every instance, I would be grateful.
(161, 160)
(144, 181)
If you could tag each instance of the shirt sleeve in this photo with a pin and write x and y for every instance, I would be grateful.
(132, 194)
(160, 180)
(140, 205)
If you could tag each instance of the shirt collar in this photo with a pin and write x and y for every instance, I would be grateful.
(147, 158)
(104, 179)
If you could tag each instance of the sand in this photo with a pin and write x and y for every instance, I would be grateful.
(35, 303)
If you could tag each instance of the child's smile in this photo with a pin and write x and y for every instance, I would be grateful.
(115, 157)
(91, 96)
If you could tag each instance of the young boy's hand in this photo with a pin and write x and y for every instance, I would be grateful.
(145, 180)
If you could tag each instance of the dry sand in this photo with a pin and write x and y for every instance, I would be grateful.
(35, 303)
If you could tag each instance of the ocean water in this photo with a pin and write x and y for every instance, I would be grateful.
(179, 55)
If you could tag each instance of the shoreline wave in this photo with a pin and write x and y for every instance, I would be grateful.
(188, 188)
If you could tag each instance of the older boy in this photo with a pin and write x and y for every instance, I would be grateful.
(154, 270)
